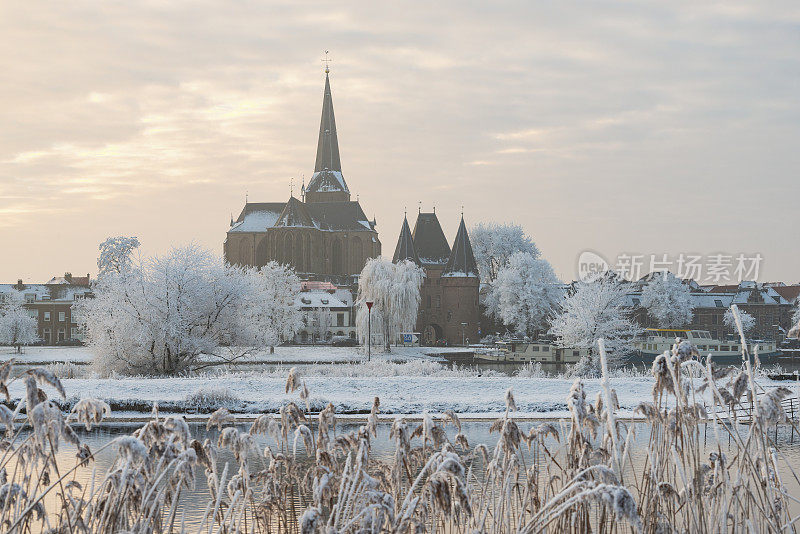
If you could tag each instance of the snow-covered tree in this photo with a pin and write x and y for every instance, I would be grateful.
(594, 310)
(116, 254)
(394, 288)
(184, 310)
(794, 329)
(748, 321)
(525, 293)
(321, 322)
(668, 300)
(17, 327)
(493, 244)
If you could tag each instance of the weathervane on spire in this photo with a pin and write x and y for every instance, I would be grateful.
(326, 61)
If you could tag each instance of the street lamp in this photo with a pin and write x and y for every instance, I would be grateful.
(369, 304)
(463, 334)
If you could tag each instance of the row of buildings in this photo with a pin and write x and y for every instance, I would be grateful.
(771, 305)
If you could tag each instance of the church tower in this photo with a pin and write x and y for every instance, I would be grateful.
(323, 235)
(327, 184)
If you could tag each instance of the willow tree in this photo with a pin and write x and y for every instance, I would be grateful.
(394, 290)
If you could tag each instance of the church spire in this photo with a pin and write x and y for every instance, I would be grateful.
(328, 144)
(327, 183)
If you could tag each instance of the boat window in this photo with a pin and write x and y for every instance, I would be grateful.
(723, 347)
(546, 349)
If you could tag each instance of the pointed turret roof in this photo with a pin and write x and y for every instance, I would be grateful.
(327, 176)
(405, 245)
(462, 260)
(429, 240)
(295, 214)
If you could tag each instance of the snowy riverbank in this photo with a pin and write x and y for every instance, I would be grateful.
(300, 354)
(249, 393)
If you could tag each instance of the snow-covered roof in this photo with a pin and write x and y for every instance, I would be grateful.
(256, 221)
(712, 300)
(318, 299)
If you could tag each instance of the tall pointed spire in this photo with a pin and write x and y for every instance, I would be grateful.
(328, 144)
(328, 183)
(405, 245)
(462, 259)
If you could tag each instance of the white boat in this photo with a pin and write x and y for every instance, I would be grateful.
(655, 341)
(529, 352)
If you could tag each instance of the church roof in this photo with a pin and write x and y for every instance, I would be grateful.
(328, 167)
(429, 240)
(331, 216)
(257, 216)
(462, 260)
(345, 215)
(405, 245)
(295, 214)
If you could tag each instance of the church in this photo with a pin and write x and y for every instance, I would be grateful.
(323, 235)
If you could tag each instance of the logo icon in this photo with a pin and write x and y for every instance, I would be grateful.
(591, 266)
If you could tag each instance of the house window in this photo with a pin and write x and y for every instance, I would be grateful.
(73, 332)
(46, 335)
(339, 319)
(438, 301)
(32, 314)
(30, 298)
(61, 334)
(46, 316)
(62, 316)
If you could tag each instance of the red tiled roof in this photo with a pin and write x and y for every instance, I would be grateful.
(316, 285)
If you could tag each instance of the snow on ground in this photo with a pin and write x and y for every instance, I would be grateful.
(46, 355)
(257, 392)
(286, 355)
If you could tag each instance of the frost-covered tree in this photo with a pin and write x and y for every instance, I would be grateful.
(594, 310)
(184, 310)
(321, 322)
(17, 327)
(525, 293)
(748, 321)
(394, 288)
(668, 300)
(794, 329)
(116, 254)
(493, 244)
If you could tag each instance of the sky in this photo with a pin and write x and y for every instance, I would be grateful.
(638, 128)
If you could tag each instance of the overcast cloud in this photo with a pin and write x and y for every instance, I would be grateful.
(661, 127)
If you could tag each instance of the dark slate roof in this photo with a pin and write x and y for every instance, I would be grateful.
(339, 216)
(462, 259)
(405, 245)
(327, 151)
(429, 240)
(258, 216)
(295, 214)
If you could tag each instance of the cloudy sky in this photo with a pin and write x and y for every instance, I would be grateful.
(646, 128)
